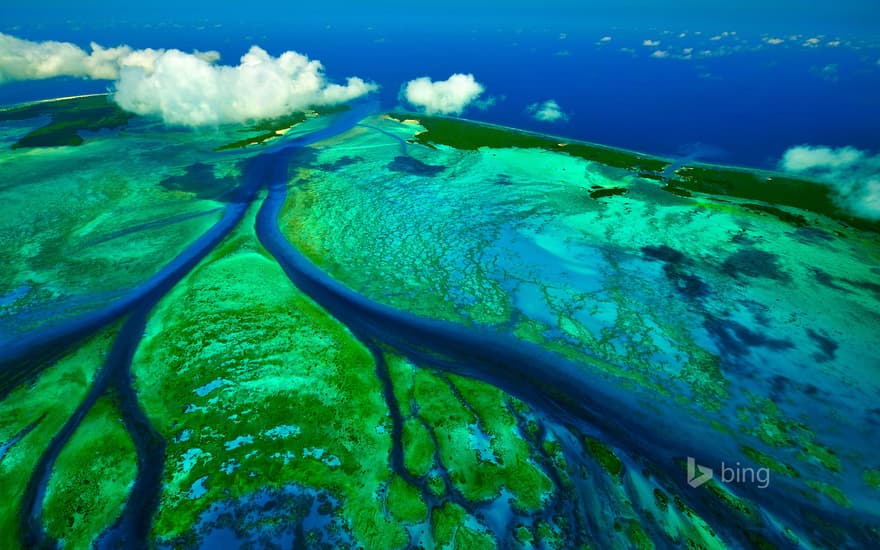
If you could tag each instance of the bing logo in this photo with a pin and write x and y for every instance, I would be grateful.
(697, 474)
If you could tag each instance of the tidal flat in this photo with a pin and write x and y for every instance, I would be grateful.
(369, 330)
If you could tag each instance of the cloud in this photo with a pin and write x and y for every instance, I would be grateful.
(651, 43)
(449, 96)
(605, 39)
(659, 54)
(185, 89)
(547, 111)
(852, 173)
(812, 42)
(774, 41)
(27, 60)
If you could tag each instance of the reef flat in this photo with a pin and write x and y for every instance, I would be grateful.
(366, 330)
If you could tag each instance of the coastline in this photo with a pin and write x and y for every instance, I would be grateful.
(530, 133)
(762, 172)
(562, 140)
(50, 100)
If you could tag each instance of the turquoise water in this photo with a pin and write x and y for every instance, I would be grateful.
(344, 335)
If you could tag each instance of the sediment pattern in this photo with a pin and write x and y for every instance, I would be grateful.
(381, 332)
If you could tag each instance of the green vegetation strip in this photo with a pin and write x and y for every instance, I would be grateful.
(69, 116)
(769, 188)
(470, 135)
(275, 127)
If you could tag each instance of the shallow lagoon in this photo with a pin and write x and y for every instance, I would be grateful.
(374, 330)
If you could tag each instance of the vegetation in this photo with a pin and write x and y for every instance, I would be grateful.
(776, 190)
(68, 118)
(275, 127)
(738, 183)
(470, 135)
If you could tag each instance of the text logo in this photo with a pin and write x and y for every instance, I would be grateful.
(695, 480)
(698, 475)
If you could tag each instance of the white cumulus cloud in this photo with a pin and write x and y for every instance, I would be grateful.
(450, 96)
(659, 54)
(185, 89)
(27, 60)
(651, 43)
(774, 41)
(547, 111)
(852, 173)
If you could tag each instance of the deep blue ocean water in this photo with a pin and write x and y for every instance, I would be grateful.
(745, 103)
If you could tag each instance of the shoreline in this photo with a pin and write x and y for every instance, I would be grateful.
(764, 172)
(532, 133)
(760, 171)
(50, 100)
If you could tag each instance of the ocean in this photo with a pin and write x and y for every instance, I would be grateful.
(726, 97)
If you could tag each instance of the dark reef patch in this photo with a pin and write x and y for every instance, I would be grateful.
(825, 279)
(812, 235)
(664, 254)
(779, 385)
(339, 163)
(754, 263)
(827, 346)
(199, 179)
(758, 310)
(873, 288)
(743, 238)
(687, 284)
(415, 167)
(736, 339)
(608, 192)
